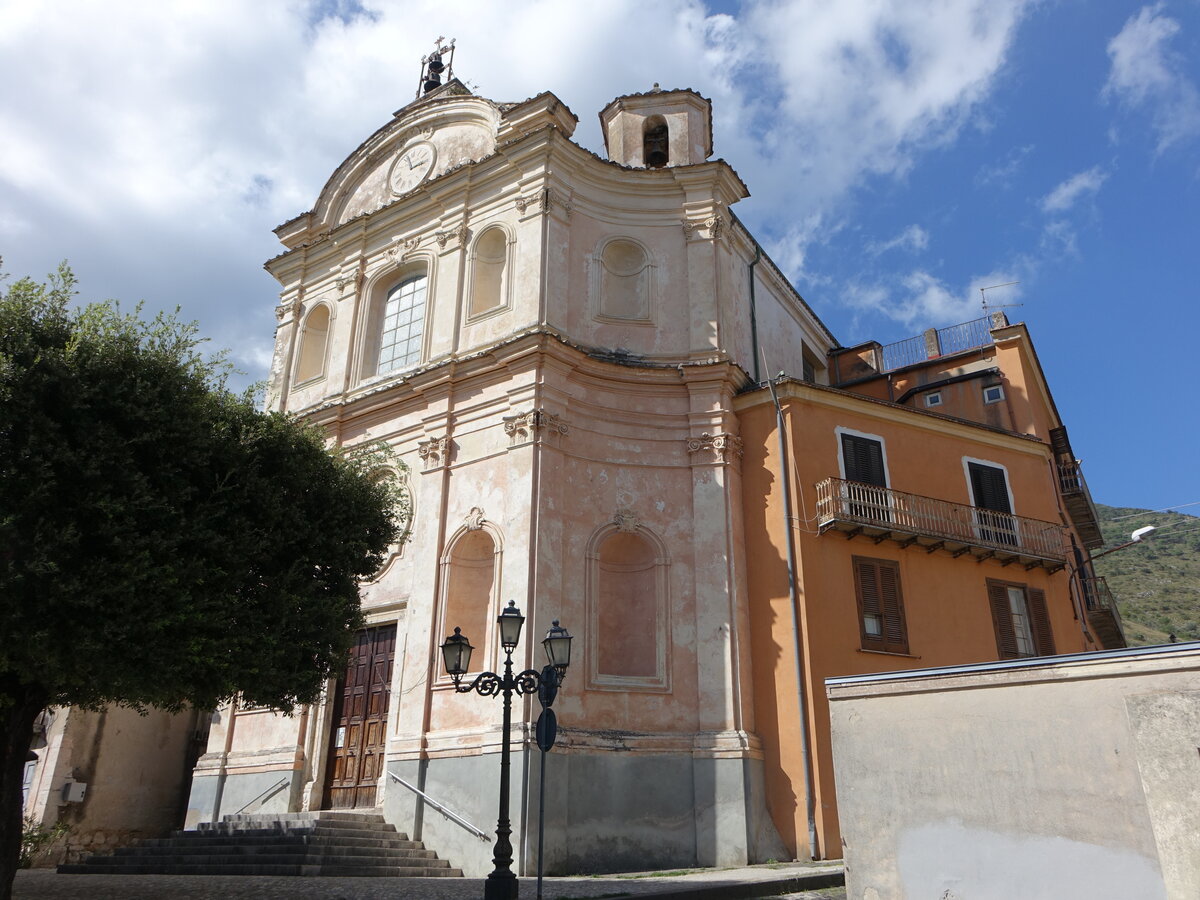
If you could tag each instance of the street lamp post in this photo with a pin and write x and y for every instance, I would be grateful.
(456, 655)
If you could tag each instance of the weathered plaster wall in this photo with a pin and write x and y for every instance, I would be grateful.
(1053, 778)
(136, 769)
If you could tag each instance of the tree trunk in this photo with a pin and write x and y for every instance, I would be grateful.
(24, 701)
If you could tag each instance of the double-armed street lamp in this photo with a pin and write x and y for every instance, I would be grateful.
(456, 654)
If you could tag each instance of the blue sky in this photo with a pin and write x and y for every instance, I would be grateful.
(900, 155)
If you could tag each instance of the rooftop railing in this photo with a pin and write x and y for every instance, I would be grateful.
(938, 524)
(937, 342)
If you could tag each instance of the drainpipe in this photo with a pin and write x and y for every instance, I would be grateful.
(793, 594)
(753, 317)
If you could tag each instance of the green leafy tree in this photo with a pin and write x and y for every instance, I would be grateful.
(162, 542)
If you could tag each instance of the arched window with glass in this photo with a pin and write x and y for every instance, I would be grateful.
(402, 325)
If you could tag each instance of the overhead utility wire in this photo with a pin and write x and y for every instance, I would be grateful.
(1150, 512)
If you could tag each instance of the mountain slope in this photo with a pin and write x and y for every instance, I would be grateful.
(1156, 582)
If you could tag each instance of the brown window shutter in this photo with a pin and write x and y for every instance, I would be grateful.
(1039, 622)
(895, 635)
(877, 584)
(1006, 639)
(863, 460)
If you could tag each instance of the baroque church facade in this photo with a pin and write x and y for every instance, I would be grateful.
(564, 355)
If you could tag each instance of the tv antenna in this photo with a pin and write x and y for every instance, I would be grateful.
(988, 307)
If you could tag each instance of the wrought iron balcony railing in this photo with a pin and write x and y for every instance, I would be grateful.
(1102, 614)
(1078, 501)
(856, 508)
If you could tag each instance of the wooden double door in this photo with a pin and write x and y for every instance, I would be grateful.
(358, 739)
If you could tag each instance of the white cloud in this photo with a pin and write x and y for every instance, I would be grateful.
(920, 298)
(1073, 189)
(912, 239)
(1146, 73)
(156, 145)
(1059, 240)
(1003, 172)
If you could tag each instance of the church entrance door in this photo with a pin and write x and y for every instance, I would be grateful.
(359, 735)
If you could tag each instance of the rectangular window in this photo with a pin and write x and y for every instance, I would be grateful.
(993, 513)
(862, 459)
(863, 467)
(880, 605)
(1021, 620)
(934, 399)
(993, 393)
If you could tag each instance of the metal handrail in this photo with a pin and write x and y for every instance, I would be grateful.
(448, 813)
(266, 795)
(872, 505)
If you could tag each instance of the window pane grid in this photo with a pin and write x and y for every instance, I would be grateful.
(403, 320)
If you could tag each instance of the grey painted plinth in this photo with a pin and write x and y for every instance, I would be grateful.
(605, 811)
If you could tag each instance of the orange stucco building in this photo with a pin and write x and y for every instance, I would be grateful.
(898, 562)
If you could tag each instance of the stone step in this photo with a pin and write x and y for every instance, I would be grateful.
(274, 839)
(320, 829)
(302, 819)
(221, 860)
(317, 870)
(325, 842)
(277, 849)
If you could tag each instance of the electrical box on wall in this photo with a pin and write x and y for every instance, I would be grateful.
(73, 792)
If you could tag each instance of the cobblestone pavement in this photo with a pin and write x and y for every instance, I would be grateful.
(45, 884)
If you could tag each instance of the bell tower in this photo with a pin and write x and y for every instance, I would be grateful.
(658, 129)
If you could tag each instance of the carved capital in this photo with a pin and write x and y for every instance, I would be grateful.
(434, 452)
(528, 426)
(544, 200)
(723, 445)
(462, 234)
(713, 228)
(284, 309)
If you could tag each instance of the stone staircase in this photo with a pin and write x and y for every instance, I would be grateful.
(314, 843)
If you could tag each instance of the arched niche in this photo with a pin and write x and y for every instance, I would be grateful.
(314, 344)
(490, 272)
(628, 609)
(623, 286)
(470, 588)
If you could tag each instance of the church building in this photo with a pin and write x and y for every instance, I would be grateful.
(564, 354)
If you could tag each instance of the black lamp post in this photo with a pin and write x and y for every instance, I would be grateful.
(456, 654)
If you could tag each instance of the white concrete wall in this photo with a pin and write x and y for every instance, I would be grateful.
(1069, 776)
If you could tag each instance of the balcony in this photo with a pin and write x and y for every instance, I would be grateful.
(1102, 614)
(915, 521)
(1078, 501)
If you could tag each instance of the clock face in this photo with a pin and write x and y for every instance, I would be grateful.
(412, 166)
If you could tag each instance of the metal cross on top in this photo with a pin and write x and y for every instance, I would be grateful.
(433, 66)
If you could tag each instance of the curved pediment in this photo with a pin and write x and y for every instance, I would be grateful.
(423, 141)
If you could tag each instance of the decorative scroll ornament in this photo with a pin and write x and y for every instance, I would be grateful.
(403, 249)
(474, 519)
(434, 451)
(722, 444)
(525, 426)
(626, 520)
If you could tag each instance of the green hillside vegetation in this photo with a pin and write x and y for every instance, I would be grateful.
(1156, 582)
